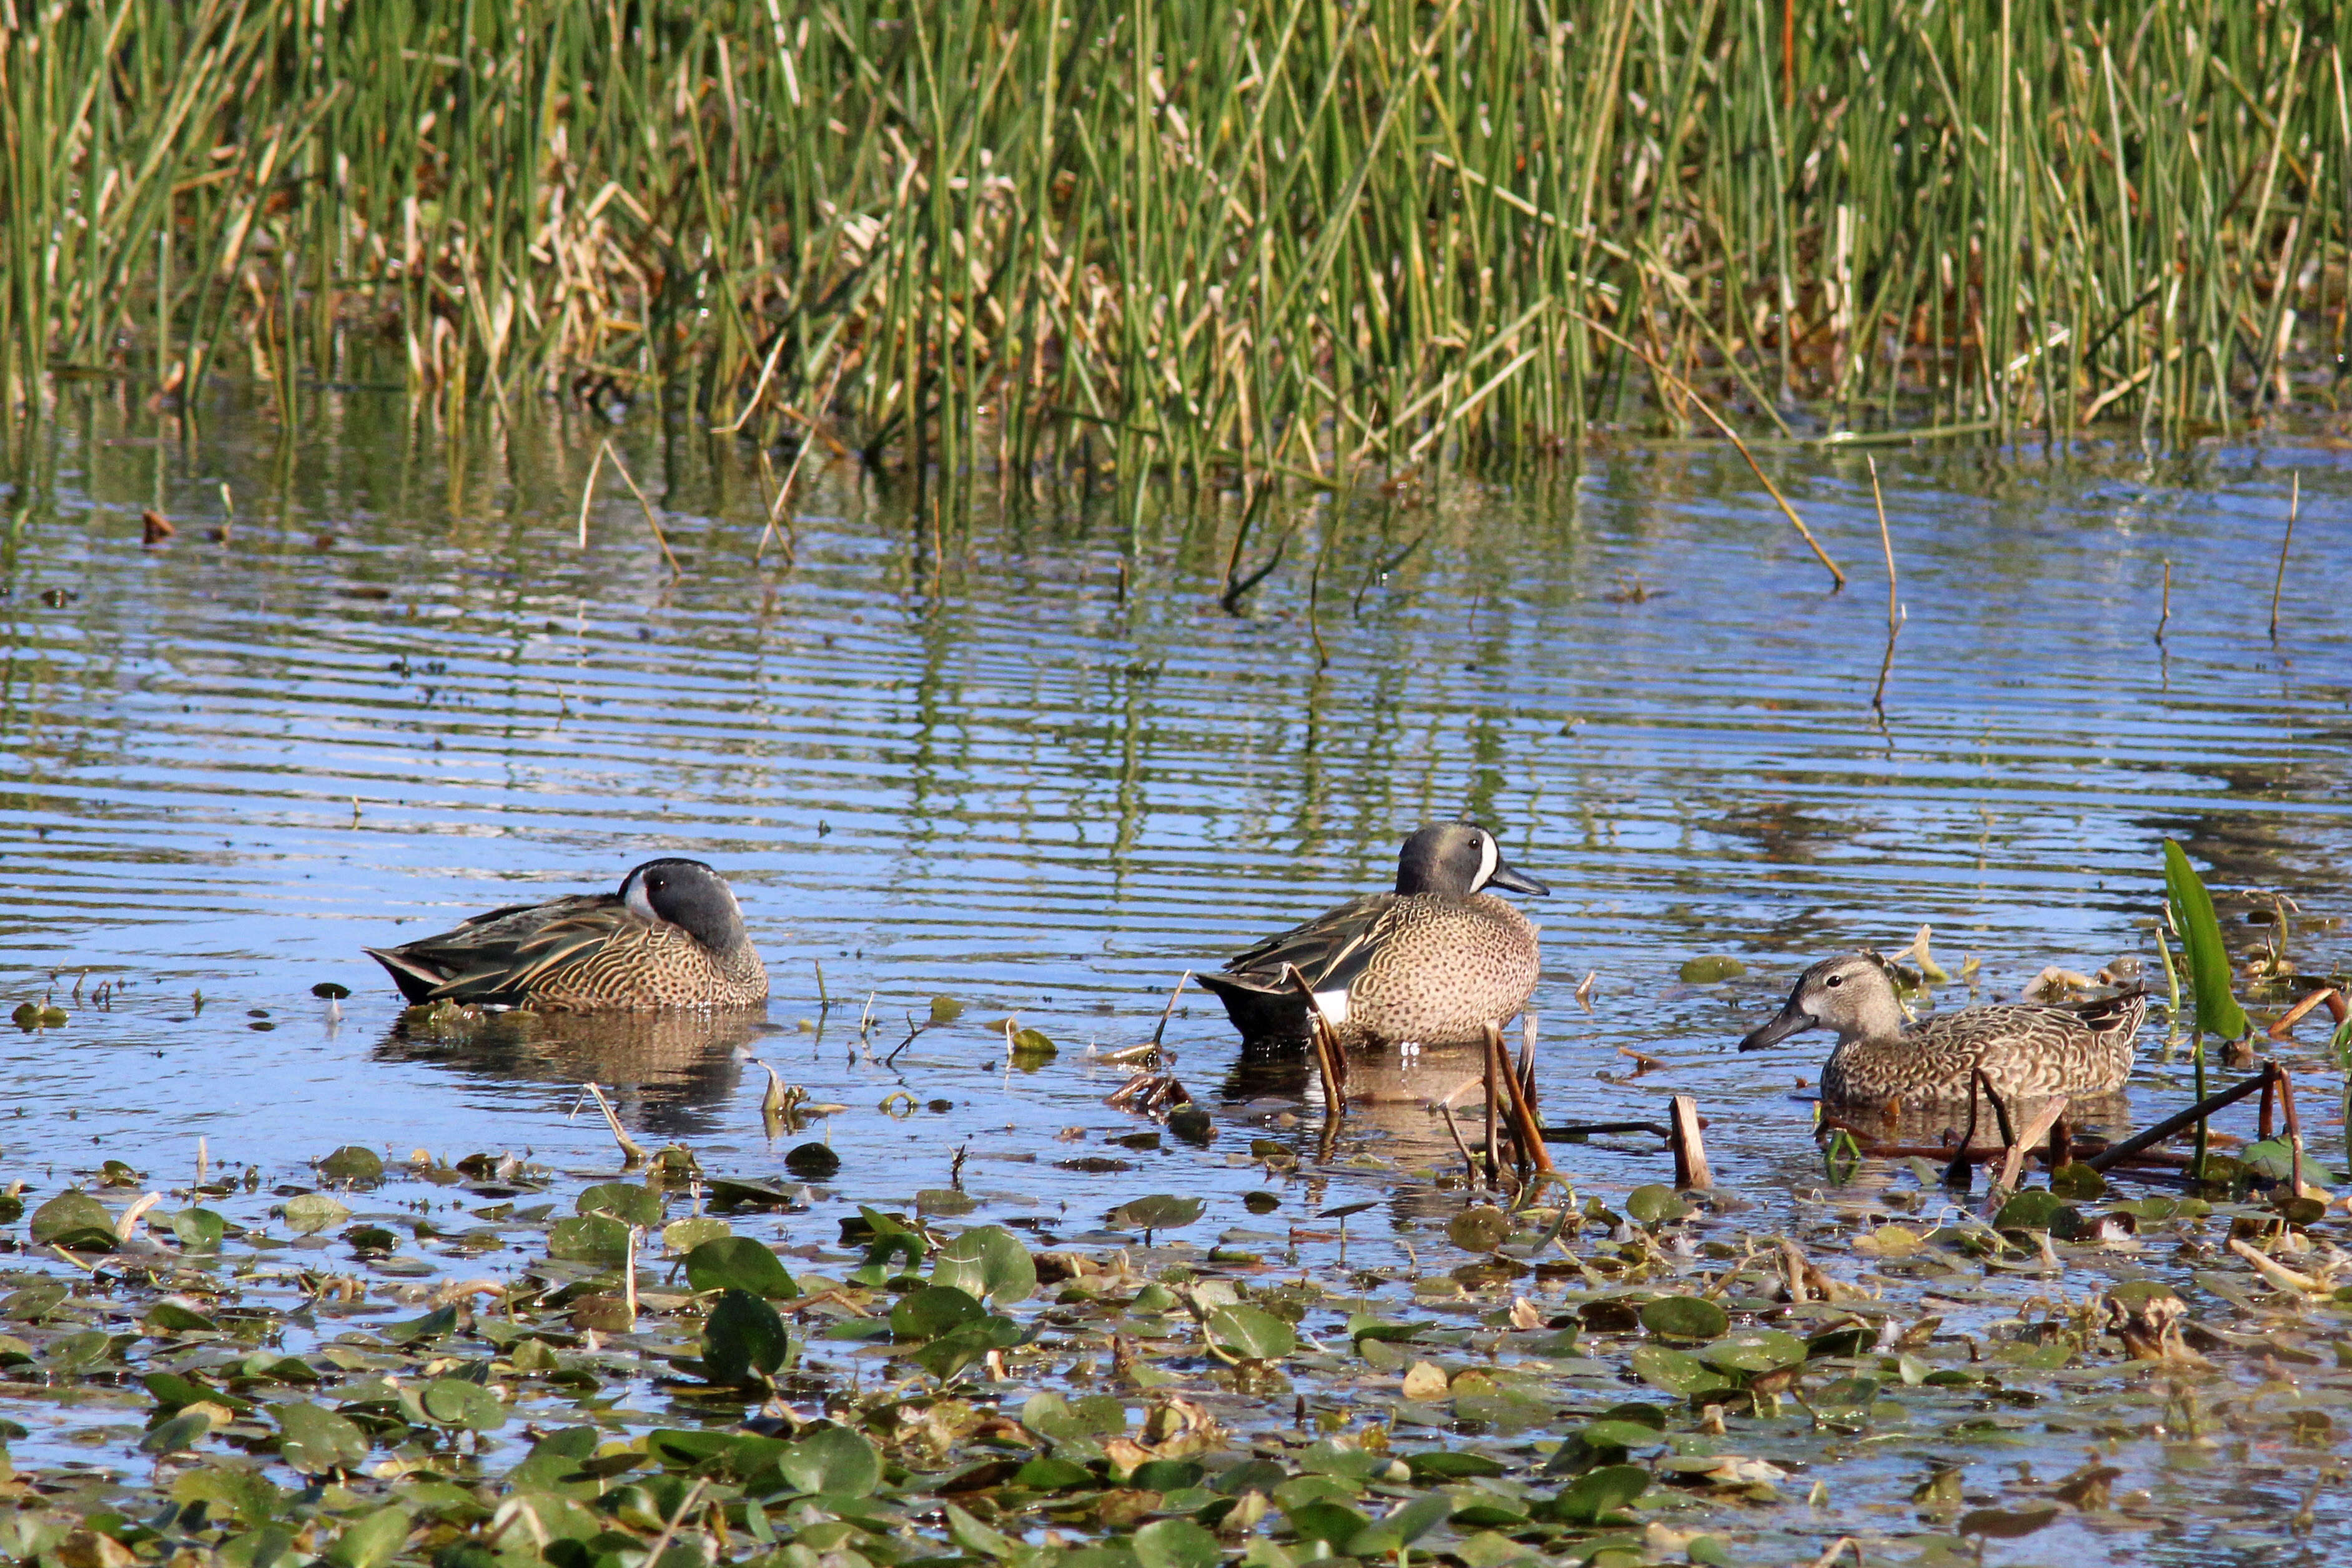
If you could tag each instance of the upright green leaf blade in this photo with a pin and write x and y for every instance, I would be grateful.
(2218, 1012)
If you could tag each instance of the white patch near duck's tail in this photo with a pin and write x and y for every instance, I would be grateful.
(1333, 1006)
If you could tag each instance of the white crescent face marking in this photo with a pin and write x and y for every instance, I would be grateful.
(633, 899)
(1490, 856)
(1333, 1006)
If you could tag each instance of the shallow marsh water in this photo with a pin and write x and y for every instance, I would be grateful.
(399, 692)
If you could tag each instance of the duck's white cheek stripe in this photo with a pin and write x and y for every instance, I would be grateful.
(1333, 1005)
(1489, 857)
(638, 905)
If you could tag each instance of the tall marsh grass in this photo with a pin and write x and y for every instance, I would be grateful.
(1264, 236)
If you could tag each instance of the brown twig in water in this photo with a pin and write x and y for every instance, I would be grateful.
(2164, 614)
(2012, 1163)
(1886, 547)
(645, 505)
(2326, 995)
(1526, 1130)
(1691, 1171)
(1167, 1011)
(1835, 571)
(2195, 1113)
(588, 490)
(631, 1152)
(2294, 503)
(1487, 1063)
(1327, 1048)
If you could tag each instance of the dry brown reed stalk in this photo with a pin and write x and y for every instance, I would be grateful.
(2293, 504)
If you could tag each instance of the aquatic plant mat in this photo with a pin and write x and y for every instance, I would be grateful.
(494, 1362)
(1263, 238)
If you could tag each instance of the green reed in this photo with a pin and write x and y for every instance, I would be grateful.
(1271, 237)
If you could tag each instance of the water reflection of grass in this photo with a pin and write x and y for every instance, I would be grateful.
(1267, 237)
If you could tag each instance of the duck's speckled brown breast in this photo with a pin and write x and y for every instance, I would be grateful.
(1442, 969)
(645, 966)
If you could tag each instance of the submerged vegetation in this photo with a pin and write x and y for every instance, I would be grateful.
(1265, 238)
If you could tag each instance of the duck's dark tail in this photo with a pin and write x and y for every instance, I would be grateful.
(417, 983)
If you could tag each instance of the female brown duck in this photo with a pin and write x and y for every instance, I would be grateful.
(1881, 1059)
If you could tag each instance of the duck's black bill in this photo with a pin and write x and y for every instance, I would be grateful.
(1790, 1020)
(1517, 882)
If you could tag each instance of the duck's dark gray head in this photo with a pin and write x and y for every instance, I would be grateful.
(1460, 859)
(1851, 994)
(690, 896)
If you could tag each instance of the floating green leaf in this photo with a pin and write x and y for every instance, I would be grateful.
(1755, 1350)
(1251, 1333)
(625, 1201)
(739, 1263)
(933, 1311)
(742, 1335)
(317, 1441)
(455, 1402)
(1656, 1204)
(832, 1460)
(1594, 1496)
(1481, 1227)
(371, 1539)
(353, 1163)
(1176, 1543)
(309, 1213)
(1158, 1211)
(588, 1239)
(1675, 1371)
(1684, 1317)
(987, 1261)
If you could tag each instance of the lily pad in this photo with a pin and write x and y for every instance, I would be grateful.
(743, 1335)
(1596, 1496)
(987, 1261)
(1657, 1204)
(353, 1162)
(309, 1213)
(1677, 1372)
(813, 1162)
(625, 1201)
(1709, 969)
(832, 1460)
(317, 1441)
(1158, 1211)
(1684, 1317)
(1755, 1350)
(1482, 1227)
(739, 1263)
(69, 1213)
(1251, 1333)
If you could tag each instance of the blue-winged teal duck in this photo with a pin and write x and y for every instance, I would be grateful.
(672, 936)
(1431, 964)
(1881, 1059)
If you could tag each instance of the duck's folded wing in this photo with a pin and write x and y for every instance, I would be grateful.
(1328, 951)
(500, 957)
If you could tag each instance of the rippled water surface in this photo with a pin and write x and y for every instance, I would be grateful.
(1046, 773)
